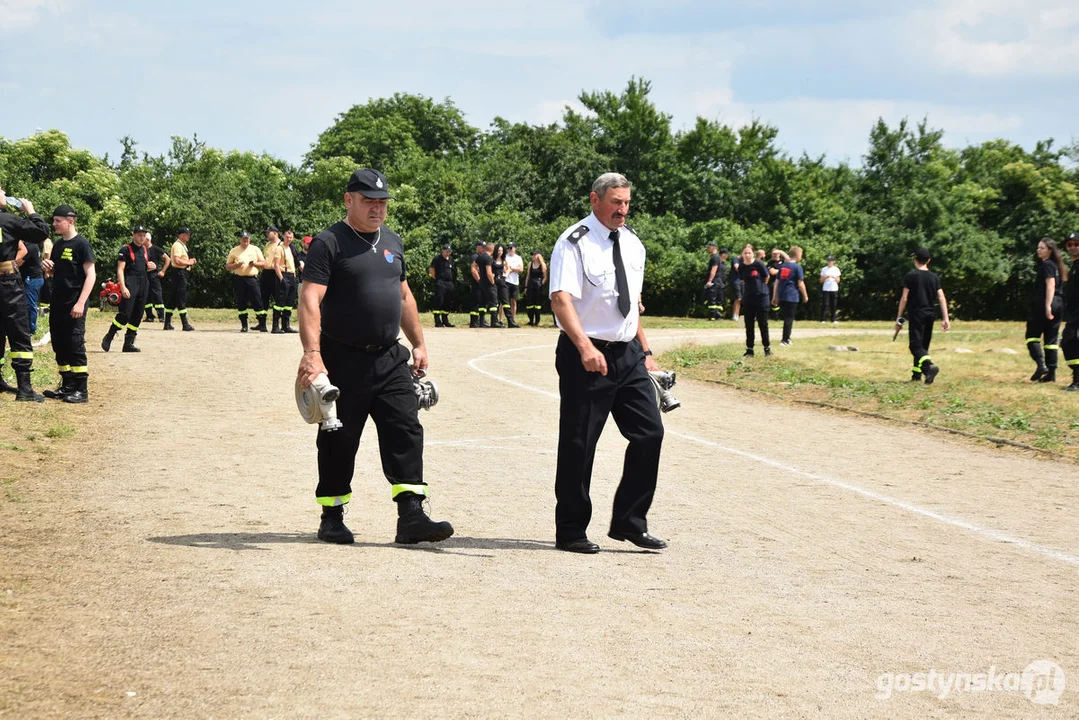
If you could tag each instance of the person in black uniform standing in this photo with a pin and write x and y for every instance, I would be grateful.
(71, 265)
(921, 288)
(244, 261)
(715, 282)
(443, 272)
(355, 303)
(603, 359)
(502, 293)
(1070, 341)
(14, 319)
(1046, 309)
(484, 278)
(132, 264)
(535, 279)
(181, 270)
(155, 297)
(753, 276)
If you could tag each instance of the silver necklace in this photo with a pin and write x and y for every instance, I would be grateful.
(378, 235)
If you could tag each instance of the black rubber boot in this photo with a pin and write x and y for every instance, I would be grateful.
(1036, 354)
(80, 393)
(276, 323)
(261, 327)
(1049, 376)
(25, 392)
(4, 386)
(129, 341)
(286, 323)
(930, 371)
(1074, 387)
(510, 321)
(474, 321)
(243, 323)
(106, 342)
(495, 322)
(413, 525)
(187, 326)
(66, 387)
(168, 322)
(438, 320)
(916, 377)
(748, 352)
(1051, 358)
(332, 528)
(481, 322)
(446, 320)
(149, 314)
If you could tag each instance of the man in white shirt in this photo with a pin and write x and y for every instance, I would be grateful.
(603, 360)
(514, 265)
(829, 279)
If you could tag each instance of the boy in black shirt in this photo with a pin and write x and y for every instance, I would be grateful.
(71, 264)
(921, 287)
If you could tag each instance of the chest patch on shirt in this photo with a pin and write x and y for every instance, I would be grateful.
(388, 255)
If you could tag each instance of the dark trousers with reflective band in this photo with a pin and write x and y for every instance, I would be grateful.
(758, 315)
(286, 297)
(625, 393)
(1039, 326)
(68, 337)
(920, 335)
(534, 299)
(267, 289)
(790, 309)
(828, 301)
(248, 295)
(129, 315)
(376, 385)
(1069, 343)
(179, 292)
(155, 297)
(440, 304)
(488, 298)
(14, 322)
(714, 297)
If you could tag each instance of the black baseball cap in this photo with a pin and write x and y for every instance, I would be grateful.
(447, 246)
(64, 211)
(481, 243)
(271, 229)
(830, 258)
(243, 234)
(513, 244)
(139, 229)
(1071, 236)
(921, 255)
(711, 243)
(724, 251)
(369, 183)
(184, 231)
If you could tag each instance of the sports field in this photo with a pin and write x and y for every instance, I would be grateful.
(158, 557)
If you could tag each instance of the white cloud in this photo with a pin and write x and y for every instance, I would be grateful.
(22, 14)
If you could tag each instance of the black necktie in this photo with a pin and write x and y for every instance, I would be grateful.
(620, 276)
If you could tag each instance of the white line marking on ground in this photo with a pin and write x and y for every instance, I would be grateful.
(834, 482)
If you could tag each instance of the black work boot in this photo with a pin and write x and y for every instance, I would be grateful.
(168, 322)
(79, 393)
(930, 371)
(1051, 358)
(438, 320)
(482, 323)
(276, 323)
(262, 323)
(474, 321)
(66, 386)
(106, 342)
(149, 314)
(510, 321)
(129, 342)
(243, 323)
(25, 392)
(4, 386)
(286, 323)
(413, 525)
(916, 377)
(1036, 354)
(332, 528)
(1074, 387)
(187, 326)
(446, 320)
(1050, 374)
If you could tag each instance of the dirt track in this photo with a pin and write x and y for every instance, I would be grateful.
(810, 553)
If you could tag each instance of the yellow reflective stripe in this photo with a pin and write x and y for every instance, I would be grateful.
(133, 328)
(922, 360)
(63, 368)
(917, 371)
(21, 355)
(1073, 362)
(334, 500)
(182, 312)
(1052, 347)
(117, 324)
(79, 369)
(1030, 340)
(396, 490)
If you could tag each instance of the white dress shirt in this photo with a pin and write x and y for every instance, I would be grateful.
(589, 278)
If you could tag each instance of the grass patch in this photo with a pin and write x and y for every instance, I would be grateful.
(60, 431)
(980, 390)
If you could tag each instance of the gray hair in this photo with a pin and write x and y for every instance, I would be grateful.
(606, 181)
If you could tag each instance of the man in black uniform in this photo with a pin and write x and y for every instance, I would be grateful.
(479, 303)
(181, 270)
(14, 320)
(73, 279)
(355, 303)
(132, 264)
(155, 298)
(485, 264)
(921, 288)
(1069, 342)
(715, 282)
(443, 272)
(285, 302)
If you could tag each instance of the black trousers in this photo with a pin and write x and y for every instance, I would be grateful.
(287, 296)
(503, 296)
(248, 294)
(1069, 343)
(1039, 327)
(534, 297)
(179, 292)
(714, 297)
(155, 297)
(789, 309)
(129, 315)
(488, 298)
(14, 321)
(759, 315)
(268, 288)
(443, 297)
(477, 298)
(376, 385)
(68, 337)
(587, 398)
(828, 300)
(920, 335)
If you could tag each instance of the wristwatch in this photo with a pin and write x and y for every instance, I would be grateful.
(648, 353)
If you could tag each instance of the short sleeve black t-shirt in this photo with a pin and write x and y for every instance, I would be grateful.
(755, 284)
(715, 262)
(31, 264)
(1046, 269)
(923, 286)
(1071, 294)
(483, 261)
(736, 264)
(362, 304)
(157, 257)
(68, 257)
(444, 270)
(774, 265)
(135, 258)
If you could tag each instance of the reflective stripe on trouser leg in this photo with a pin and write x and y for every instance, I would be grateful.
(79, 370)
(334, 500)
(1033, 340)
(420, 490)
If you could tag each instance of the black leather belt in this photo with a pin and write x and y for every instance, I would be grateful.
(375, 349)
(604, 344)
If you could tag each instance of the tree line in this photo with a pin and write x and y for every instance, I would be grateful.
(980, 209)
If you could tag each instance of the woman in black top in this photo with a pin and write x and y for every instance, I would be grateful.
(1046, 306)
(755, 298)
(498, 267)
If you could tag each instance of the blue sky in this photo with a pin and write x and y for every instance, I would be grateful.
(269, 76)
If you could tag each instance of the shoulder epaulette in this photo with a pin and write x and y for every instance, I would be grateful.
(577, 234)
